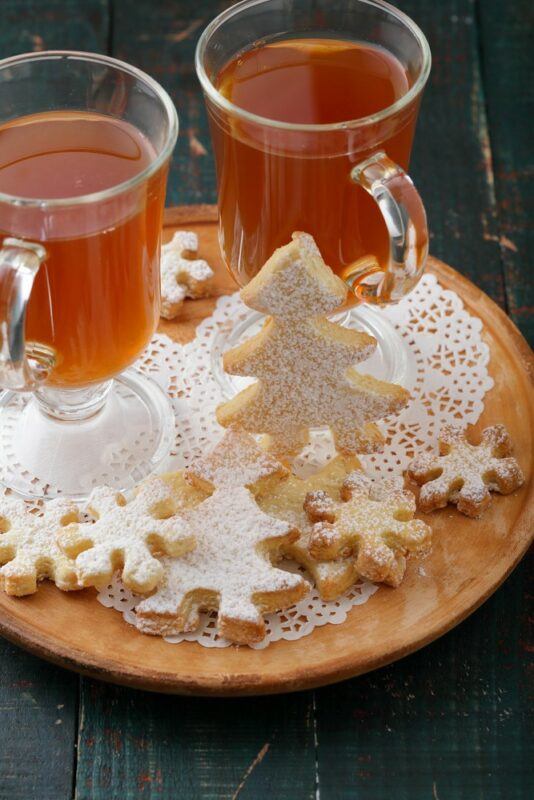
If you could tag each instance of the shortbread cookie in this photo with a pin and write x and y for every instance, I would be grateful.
(182, 275)
(237, 460)
(374, 524)
(28, 548)
(286, 501)
(465, 473)
(230, 570)
(127, 536)
(304, 362)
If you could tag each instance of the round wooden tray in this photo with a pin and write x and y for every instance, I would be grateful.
(469, 560)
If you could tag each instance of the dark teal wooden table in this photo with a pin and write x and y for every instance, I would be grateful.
(448, 723)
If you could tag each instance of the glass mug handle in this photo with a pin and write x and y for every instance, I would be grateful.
(404, 214)
(23, 365)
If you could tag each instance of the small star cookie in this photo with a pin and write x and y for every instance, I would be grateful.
(182, 275)
(230, 571)
(465, 473)
(126, 536)
(28, 548)
(374, 525)
(305, 363)
(285, 501)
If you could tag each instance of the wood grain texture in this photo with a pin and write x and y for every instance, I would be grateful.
(173, 747)
(31, 26)
(508, 70)
(455, 579)
(448, 722)
(432, 726)
(478, 670)
(38, 713)
(451, 161)
(160, 38)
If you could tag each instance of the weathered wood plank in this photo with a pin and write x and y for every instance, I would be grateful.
(451, 160)
(161, 38)
(136, 745)
(38, 702)
(448, 722)
(31, 25)
(506, 43)
(38, 713)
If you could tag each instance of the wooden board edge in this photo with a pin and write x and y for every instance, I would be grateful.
(237, 685)
(340, 668)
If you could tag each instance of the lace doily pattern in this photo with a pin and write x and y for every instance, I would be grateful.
(292, 624)
(451, 379)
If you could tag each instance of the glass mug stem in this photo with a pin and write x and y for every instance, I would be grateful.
(404, 215)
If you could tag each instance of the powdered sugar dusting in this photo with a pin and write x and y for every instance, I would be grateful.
(181, 275)
(464, 473)
(28, 547)
(377, 532)
(230, 563)
(237, 460)
(304, 362)
(126, 533)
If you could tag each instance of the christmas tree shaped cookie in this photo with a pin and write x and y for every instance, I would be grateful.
(231, 569)
(305, 363)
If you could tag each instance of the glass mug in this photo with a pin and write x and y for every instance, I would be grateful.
(345, 181)
(85, 143)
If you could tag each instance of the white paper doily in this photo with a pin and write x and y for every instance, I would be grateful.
(450, 384)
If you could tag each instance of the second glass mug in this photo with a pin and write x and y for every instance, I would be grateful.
(344, 182)
(79, 274)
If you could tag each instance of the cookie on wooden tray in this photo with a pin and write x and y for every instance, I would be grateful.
(231, 568)
(182, 275)
(127, 536)
(285, 500)
(28, 549)
(374, 524)
(230, 571)
(305, 363)
(464, 473)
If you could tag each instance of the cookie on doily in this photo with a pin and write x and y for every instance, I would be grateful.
(28, 549)
(182, 275)
(285, 501)
(464, 473)
(127, 536)
(374, 525)
(236, 460)
(305, 363)
(231, 568)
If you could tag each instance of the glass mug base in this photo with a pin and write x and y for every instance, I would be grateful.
(392, 361)
(119, 445)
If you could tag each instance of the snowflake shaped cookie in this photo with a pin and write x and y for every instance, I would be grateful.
(182, 275)
(374, 525)
(465, 473)
(305, 363)
(230, 570)
(28, 548)
(126, 536)
(285, 501)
